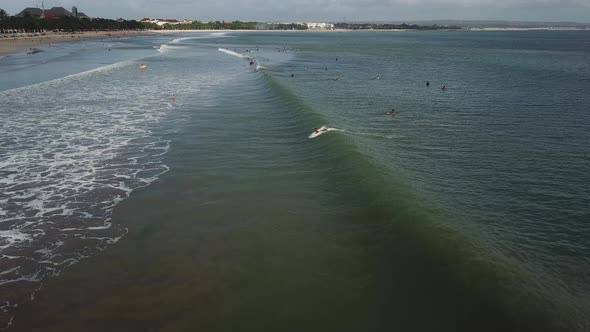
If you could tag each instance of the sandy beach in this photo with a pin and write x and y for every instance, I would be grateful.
(24, 42)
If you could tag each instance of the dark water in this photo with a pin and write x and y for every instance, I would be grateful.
(468, 210)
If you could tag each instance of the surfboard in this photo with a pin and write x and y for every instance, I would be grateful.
(320, 131)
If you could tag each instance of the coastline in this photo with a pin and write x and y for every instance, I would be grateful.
(24, 42)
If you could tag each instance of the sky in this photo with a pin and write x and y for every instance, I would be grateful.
(324, 10)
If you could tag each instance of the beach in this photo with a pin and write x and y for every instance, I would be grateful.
(24, 42)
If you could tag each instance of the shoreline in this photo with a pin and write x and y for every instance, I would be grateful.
(11, 44)
(22, 43)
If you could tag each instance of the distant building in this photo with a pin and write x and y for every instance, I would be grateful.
(320, 26)
(57, 12)
(161, 22)
(30, 11)
(53, 13)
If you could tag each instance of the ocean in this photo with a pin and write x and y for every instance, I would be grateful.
(187, 196)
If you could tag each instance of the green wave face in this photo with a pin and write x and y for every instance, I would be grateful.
(421, 265)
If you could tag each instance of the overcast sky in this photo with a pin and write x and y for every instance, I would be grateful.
(324, 10)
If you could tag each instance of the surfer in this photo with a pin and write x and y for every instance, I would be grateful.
(378, 77)
(444, 88)
(427, 83)
(392, 112)
(292, 75)
(251, 63)
(317, 130)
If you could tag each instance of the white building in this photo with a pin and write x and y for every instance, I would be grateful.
(320, 26)
(161, 22)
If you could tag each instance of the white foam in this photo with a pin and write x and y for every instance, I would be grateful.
(76, 154)
(165, 48)
(73, 76)
(323, 130)
(14, 269)
(230, 52)
(200, 36)
(76, 147)
(178, 40)
(11, 237)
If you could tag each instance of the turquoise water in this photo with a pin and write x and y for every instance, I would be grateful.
(467, 210)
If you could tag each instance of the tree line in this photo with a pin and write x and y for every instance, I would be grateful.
(235, 25)
(32, 24)
(403, 26)
(69, 23)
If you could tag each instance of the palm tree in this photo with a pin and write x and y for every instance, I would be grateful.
(3, 13)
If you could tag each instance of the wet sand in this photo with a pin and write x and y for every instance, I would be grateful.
(12, 44)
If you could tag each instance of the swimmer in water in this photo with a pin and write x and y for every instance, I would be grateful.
(292, 75)
(378, 77)
(427, 83)
(392, 112)
(444, 88)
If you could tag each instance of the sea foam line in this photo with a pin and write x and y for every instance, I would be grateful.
(230, 52)
(106, 68)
